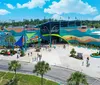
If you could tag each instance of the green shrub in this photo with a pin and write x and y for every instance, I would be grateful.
(96, 54)
(22, 53)
(13, 51)
(72, 53)
(4, 52)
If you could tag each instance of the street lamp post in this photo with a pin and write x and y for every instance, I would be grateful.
(39, 42)
(50, 34)
(68, 21)
(25, 37)
(75, 21)
(60, 25)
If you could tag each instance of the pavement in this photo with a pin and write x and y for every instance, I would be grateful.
(61, 64)
(57, 73)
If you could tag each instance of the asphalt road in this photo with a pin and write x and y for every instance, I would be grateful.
(57, 74)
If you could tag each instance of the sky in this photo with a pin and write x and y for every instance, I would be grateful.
(56, 9)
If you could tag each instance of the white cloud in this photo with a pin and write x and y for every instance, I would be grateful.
(32, 4)
(97, 17)
(58, 17)
(70, 6)
(4, 12)
(10, 6)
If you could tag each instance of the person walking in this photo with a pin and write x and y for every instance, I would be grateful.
(17, 56)
(40, 57)
(28, 54)
(31, 53)
(87, 62)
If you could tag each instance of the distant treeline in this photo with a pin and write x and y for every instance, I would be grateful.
(35, 22)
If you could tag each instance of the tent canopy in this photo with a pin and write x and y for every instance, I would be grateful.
(30, 35)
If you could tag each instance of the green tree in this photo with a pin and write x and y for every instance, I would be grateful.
(14, 66)
(10, 40)
(41, 68)
(77, 78)
(73, 52)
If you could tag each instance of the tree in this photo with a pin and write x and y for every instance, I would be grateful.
(73, 52)
(41, 68)
(10, 40)
(14, 65)
(77, 78)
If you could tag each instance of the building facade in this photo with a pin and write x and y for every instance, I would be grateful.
(71, 31)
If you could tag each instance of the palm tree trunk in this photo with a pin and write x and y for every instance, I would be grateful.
(41, 79)
(15, 73)
(13, 46)
(77, 83)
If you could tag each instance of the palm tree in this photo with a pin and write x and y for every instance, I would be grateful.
(14, 65)
(41, 68)
(10, 40)
(77, 78)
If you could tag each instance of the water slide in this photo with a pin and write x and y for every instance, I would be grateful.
(56, 36)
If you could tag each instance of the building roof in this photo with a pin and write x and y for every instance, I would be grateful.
(19, 29)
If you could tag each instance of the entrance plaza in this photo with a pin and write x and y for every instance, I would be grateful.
(60, 57)
(58, 40)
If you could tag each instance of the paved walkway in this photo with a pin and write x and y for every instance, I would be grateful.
(60, 57)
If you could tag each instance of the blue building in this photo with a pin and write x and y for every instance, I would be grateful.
(71, 31)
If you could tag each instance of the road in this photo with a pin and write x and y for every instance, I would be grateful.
(57, 74)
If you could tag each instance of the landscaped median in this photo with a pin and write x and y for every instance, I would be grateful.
(23, 79)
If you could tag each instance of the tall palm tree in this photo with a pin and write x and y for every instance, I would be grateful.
(10, 40)
(77, 78)
(14, 65)
(41, 68)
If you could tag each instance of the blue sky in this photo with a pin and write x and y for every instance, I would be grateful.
(57, 9)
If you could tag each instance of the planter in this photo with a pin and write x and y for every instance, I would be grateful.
(95, 56)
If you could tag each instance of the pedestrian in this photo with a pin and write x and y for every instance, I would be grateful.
(17, 56)
(87, 62)
(64, 46)
(40, 56)
(31, 53)
(28, 54)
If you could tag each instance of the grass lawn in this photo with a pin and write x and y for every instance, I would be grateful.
(23, 79)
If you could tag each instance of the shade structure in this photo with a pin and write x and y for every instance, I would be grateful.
(20, 42)
(30, 35)
(44, 37)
